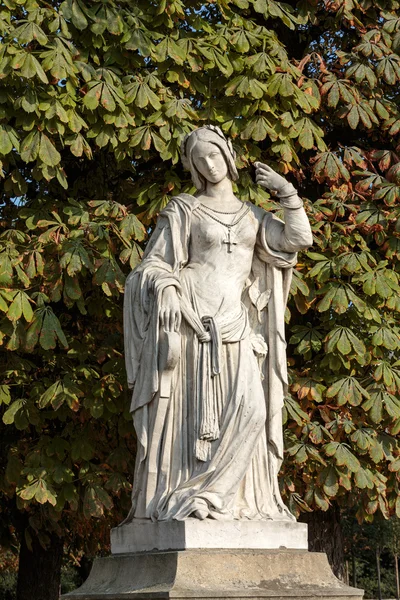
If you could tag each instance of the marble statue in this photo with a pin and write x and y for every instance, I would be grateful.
(205, 344)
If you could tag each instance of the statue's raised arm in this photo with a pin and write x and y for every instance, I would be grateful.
(204, 345)
(295, 233)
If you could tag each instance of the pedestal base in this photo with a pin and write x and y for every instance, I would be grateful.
(214, 574)
(146, 536)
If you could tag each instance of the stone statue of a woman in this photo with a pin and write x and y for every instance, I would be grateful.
(205, 345)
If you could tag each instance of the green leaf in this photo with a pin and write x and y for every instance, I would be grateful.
(294, 411)
(258, 128)
(140, 40)
(32, 67)
(6, 144)
(33, 332)
(30, 146)
(345, 341)
(384, 336)
(329, 480)
(379, 400)
(40, 491)
(336, 297)
(142, 95)
(29, 32)
(363, 479)
(92, 98)
(20, 306)
(9, 415)
(78, 16)
(75, 258)
(95, 501)
(109, 274)
(49, 394)
(51, 331)
(107, 100)
(348, 390)
(5, 396)
(363, 438)
(342, 455)
(131, 227)
(82, 448)
(47, 152)
(60, 392)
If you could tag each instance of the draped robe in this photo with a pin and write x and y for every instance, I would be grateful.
(216, 442)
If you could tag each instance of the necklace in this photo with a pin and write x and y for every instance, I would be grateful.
(221, 212)
(229, 226)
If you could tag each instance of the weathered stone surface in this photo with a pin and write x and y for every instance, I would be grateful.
(145, 536)
(239, 574)
(205, 351)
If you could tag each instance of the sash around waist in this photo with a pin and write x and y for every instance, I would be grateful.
(226, 329)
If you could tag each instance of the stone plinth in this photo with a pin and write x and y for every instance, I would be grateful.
(212, 574)
(145, 536)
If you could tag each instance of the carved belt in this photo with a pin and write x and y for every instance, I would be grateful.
(212, 333)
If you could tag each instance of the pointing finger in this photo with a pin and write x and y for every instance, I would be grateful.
(162, 318)
(171, 321)
(178, 321)
(262, 179)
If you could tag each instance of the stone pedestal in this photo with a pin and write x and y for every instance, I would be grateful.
(180, 569)
(192, 574)
(146, 536)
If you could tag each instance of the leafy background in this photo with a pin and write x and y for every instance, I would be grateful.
(95, 98)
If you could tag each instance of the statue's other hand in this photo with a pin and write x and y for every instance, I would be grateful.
(170, 314)
(268, 178)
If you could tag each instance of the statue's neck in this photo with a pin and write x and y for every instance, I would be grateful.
(220, 194)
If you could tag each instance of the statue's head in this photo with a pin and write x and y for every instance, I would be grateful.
(203, 142)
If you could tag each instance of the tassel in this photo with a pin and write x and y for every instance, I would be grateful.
(203, 450)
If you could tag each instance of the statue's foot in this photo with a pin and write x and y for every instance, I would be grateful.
(201, 513)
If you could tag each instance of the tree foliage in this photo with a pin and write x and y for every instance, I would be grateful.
(95, 99)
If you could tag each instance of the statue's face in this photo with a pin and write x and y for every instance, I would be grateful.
(209, 161)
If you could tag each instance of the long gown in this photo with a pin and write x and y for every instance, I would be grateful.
(215, 443)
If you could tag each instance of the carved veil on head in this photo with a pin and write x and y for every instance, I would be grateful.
(213, 135)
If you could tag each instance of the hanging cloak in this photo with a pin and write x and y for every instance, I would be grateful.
(164, 486)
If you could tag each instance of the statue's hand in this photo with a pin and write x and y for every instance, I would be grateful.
(268, 178)
(170, 315)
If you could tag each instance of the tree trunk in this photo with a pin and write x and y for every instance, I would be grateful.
(353, 562)
(39, 571)
(325, 535)
(378, 572)
(396, 567)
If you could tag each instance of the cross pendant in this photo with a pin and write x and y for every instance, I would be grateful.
(229, 242)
